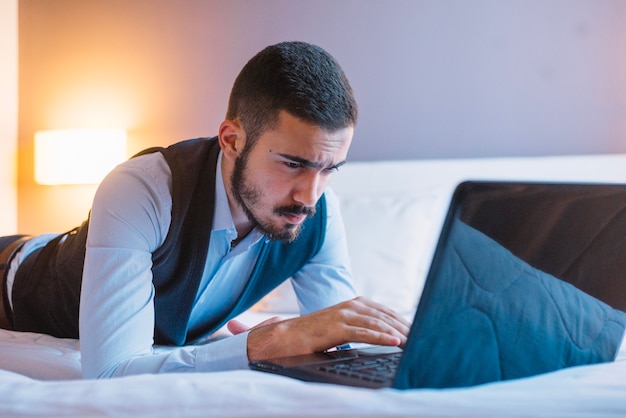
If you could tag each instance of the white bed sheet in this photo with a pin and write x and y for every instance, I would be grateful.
(591, 391)
(40, 377)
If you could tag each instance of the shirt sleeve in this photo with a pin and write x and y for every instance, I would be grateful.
(327, 278)
(130, 218)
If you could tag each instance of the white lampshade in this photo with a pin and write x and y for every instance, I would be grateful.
(77, 156)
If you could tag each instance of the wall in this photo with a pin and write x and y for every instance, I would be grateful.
(434, 78)
(8, 117)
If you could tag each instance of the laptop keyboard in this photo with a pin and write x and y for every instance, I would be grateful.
(379, 369)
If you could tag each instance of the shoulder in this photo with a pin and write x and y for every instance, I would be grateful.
(153, 164)
(149, 171)
(137, 193)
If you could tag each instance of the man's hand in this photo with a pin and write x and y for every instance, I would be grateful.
(357, 320)
(237, 327)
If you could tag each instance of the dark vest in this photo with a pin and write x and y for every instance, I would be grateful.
(177, 265)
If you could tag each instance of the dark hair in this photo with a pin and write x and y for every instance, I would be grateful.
(297, 77)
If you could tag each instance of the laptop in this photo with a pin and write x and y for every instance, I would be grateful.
(524, 274)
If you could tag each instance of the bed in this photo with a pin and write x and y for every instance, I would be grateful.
(403, 202)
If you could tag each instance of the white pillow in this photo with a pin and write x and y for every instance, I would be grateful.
(390, 241)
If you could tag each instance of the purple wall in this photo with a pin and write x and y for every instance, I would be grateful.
(434, 78)
(462, 78)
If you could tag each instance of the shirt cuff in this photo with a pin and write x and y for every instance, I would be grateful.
(226, 354)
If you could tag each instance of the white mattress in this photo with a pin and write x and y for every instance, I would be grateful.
(40, 378)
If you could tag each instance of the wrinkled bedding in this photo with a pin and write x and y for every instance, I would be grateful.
(39, 379)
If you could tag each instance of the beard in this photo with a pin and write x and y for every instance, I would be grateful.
(249, 197)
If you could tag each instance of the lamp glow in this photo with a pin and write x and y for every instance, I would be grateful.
(77, 156)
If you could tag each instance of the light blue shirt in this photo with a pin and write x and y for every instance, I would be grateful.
(129, 220)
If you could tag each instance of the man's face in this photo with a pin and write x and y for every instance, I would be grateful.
(278, 180)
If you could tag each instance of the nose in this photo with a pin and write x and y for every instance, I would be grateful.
(309, 188)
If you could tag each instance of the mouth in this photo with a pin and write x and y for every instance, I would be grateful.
(294, 219)
(295, 215)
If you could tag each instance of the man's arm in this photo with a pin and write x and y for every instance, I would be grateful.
(129, 220)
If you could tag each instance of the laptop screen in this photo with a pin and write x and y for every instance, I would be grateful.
(516, 284)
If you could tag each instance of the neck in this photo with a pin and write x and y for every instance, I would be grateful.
(243, 225)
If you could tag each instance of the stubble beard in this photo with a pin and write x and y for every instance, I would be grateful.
(248, 197)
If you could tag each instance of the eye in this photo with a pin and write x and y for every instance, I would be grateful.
(292, 164)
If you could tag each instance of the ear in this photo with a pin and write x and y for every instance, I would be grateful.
(232, 138)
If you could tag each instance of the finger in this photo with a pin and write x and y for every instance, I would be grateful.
(375, 330)
(236, 327)
(375, 316)
(370, 336)
(390, 313)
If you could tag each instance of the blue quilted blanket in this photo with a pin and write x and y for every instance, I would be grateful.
(486, 316)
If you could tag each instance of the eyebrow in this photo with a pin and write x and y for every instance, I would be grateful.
(310, 164)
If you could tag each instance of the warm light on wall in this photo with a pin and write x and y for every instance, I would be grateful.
(77, 156)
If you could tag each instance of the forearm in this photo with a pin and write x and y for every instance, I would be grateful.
(225, 354)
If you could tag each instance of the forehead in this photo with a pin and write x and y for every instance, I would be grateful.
(293, 136)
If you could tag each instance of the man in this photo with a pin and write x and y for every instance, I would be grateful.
(182, 239)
